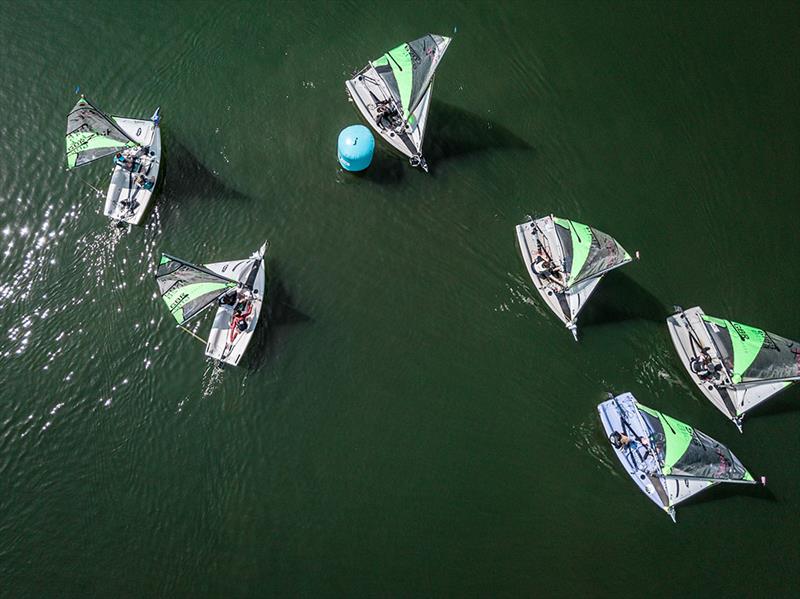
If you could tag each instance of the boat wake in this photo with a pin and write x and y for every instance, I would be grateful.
(212, 378)
(519, 294)
(585, 439)
(651, 373)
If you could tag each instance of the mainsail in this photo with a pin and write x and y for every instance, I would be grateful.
(188, 289)
(408, 70)
(587, 252)
(92, 135)
(684, 452)
(751, 354)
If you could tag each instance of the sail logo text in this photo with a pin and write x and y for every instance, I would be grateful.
(178, 301)
(738, 328)
(78, 144)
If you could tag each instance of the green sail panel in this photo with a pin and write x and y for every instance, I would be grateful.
(580, 241)
(753, 354)
(188, 289)
(398, 61)
(675, 434)
(384, 69)
(187, 300)
(588, 252)
(92, 135)
(744, 341)
(687, 452)
(408, 70)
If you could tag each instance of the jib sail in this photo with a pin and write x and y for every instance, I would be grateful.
(92, 135)
(188, 289)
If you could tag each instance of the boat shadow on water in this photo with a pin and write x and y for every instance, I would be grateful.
(454, 132)
(619, 298)
(727, 491)
(281, 315)
(187, 181)
(386, 168)
(786, 402)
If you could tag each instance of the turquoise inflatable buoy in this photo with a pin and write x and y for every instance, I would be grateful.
(356, 146)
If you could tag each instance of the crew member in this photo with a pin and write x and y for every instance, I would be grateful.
(545, 269)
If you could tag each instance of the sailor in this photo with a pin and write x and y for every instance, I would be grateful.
(243, 298)
(241, 312)
(545, 269)
(228, 298)
(119, 159)
(622, 441)
(144, 182)
(385, 120)
(388, 117)
(131, 155)
(703, 365)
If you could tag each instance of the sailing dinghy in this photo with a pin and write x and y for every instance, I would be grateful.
(393, 93)
(566, 260)
(668, 460)
(236, 288)
(136, 144)
(736, 366)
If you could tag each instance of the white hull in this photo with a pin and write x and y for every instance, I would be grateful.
(640, 470)
(665, 491)
(126, 201)
(730, 400)
(220, 346)
(565, 304)
(364, 94)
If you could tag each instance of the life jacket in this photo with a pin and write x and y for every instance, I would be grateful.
(699, 368)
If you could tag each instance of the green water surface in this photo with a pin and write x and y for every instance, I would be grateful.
(412, 421)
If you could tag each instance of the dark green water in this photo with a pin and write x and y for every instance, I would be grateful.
(415, 422)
